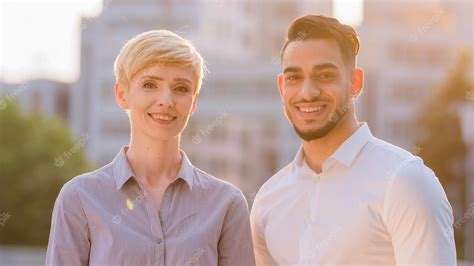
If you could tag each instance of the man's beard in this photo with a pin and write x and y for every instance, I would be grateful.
(340, 114)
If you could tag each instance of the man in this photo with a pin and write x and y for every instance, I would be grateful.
(348, 197)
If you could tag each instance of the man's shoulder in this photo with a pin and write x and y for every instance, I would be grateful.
(406, 171)
(387, 153)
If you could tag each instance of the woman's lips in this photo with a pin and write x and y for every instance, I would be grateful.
(162, 118)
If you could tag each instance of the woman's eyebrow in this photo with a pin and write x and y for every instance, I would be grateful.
(150, 77)
(183, 80)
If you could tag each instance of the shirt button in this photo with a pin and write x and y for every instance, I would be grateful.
(158, 241)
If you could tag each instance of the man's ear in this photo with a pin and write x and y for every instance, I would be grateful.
(280, 81)
(195, 101)
(120, 96)
(357, 82)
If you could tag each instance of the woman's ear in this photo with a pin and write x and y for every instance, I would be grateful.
(120, 96)
(196, 98)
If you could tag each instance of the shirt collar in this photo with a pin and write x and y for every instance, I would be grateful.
(347, 151)
(122, 171)
(186, 170)
(352, 146)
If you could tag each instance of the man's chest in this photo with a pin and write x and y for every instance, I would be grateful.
(324, 221)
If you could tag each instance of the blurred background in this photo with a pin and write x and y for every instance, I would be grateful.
(58, 117)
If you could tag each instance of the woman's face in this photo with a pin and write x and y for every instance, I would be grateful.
(160, 99)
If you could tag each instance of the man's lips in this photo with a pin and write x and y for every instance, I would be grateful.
(311, 107)
(311, 110)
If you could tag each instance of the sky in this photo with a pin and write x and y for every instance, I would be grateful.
(41, 38)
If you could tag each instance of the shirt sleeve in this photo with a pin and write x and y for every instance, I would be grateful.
(235, 242)
(262, 255)
(69, 241)
(419, 217)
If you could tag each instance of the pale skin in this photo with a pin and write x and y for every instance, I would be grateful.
(315, 75)
(160, 99)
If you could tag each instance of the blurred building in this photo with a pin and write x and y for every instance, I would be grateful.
(407, 50)
(45, 97)
(251, 31)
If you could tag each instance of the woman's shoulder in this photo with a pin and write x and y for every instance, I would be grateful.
(206, 181)
(91, 181)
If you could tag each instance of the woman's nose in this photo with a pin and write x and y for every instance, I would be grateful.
(165, 98)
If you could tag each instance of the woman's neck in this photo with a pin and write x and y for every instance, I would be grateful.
(154, 163)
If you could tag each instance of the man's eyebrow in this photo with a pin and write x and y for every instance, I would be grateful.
(323, 66)
(291, 69)
(315, 68)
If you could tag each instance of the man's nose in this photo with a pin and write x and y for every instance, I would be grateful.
(310, 90)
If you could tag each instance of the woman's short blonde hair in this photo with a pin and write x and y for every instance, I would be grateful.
(157, 47)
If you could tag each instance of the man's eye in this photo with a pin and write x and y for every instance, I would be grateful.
(181, 89)
(149, 85)
(326, 75)
(292, 78)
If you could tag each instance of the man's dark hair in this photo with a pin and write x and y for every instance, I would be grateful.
(311, 26)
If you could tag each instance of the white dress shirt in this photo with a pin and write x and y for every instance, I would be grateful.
(372, 204)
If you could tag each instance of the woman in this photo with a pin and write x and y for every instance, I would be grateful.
(150, 205)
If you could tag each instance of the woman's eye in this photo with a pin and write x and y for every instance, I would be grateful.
(149, 85)
(182, 89)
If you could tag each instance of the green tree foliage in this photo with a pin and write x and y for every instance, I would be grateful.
(37, 156)
(443, 149)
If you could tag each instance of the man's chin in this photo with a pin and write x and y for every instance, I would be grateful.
(314, 134)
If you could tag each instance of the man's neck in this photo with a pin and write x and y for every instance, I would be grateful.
(316, 152)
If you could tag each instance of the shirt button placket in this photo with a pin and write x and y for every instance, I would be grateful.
(315, 178)
(156, 231)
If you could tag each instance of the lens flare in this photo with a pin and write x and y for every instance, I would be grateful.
(129, 204)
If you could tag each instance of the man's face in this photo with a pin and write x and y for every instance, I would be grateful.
(160, 100)
(315, 87)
